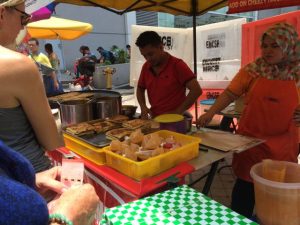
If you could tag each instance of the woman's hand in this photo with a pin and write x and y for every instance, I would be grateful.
(296, 116)
(204, 119)
(48, 181)
(78, 204)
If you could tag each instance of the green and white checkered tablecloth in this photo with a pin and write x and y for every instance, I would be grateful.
(182, 205)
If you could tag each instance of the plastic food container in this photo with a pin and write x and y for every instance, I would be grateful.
(157, 164)
(172, 122)
(277, 203)
(87, 151)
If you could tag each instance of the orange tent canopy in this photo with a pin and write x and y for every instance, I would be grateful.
(175, 7)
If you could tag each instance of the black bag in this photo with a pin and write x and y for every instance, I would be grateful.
(112, 58)
(86, 65)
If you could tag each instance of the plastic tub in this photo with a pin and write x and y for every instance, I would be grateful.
(157, 164)
(87, 151)
(277, 203)
(172, 122)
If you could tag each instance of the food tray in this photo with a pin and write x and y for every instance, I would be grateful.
(157, 164)
(94, 154)
(55, 99)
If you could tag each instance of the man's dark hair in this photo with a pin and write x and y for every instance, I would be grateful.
(49, 47)
(99, 49)
(148, 38)
(35, 40)
(127, 46)
(84, 48)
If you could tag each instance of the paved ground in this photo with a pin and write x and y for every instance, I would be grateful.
(222, 184)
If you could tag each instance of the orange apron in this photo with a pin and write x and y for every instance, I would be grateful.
(268, 115)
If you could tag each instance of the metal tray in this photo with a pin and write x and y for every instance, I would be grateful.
(97, 140)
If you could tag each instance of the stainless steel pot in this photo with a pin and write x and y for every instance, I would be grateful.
(107, 107)
(75, 111)
(188, 123)
(129, 110)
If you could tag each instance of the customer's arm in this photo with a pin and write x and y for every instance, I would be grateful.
(45, 60)
(55, 81)
(78, 204)
(28, 90)
(194, 92)
(221, 103)
(145, 111)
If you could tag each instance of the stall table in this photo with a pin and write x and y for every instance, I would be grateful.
(211, 158)
(114, 188)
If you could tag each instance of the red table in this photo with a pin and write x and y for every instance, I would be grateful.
(114, 188)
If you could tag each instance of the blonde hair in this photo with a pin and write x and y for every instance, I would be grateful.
(9, 3)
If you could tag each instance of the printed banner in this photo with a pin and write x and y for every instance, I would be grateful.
(34, 5)
(219, 50)
(236, 6)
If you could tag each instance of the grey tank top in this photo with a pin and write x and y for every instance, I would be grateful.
(17, 133)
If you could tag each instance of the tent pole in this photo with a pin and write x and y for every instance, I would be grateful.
(194, 7)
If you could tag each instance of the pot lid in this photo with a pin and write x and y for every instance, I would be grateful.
(208, 102)
(168, 118)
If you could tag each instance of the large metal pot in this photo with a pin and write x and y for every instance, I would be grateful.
(129, 110)
(188, 123)
(75, 111)
(107, 107)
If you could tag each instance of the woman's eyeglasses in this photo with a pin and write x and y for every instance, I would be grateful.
(25, 17)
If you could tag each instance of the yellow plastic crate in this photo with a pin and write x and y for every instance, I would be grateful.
(92, 153)
(157, 164)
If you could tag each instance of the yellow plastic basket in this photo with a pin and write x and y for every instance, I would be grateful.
(96, 155)
(157, 164)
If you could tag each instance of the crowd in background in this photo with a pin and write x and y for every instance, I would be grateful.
(84, 67)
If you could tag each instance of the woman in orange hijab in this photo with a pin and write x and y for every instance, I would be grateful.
(270, 86)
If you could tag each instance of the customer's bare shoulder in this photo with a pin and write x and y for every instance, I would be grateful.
(16, 65)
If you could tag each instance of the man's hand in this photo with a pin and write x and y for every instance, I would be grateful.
(146, 113)
(56, 85)
(296, 116)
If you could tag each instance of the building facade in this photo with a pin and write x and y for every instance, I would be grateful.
(112, 29)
